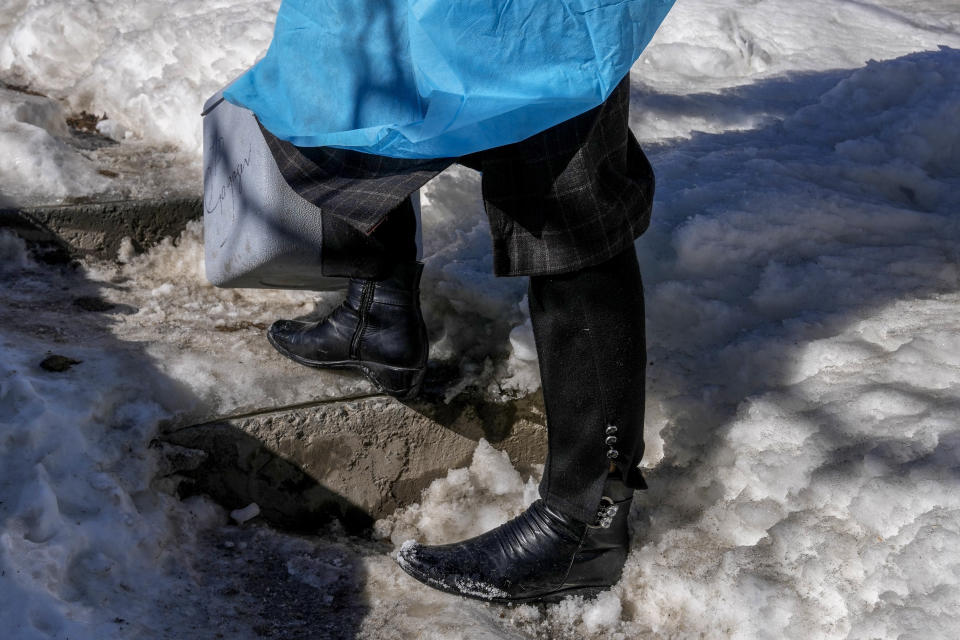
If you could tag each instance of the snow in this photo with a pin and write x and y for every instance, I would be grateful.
(465, 503)
(153, 66)
(36, 159)
(603, 613)
(148, 67)
(801, 274)
(249, 512)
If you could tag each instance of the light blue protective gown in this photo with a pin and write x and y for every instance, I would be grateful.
(440, 78)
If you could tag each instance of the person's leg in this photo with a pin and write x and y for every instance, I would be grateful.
(589, 331)
(350, 253)
(588, 326)
(565, 207)
(378, 329)
(369, 236)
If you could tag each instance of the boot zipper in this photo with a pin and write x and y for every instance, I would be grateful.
(365, 301)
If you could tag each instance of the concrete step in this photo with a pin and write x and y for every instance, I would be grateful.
(248, 425)
(97, 228)
(356, 460)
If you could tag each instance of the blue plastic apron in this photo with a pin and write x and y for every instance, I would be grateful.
(440, 78)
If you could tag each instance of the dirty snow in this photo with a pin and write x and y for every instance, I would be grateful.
(802, 286)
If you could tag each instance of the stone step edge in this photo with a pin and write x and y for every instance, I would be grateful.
(64, 231)
(356, 460)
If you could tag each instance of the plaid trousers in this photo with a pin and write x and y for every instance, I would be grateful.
(572, 196)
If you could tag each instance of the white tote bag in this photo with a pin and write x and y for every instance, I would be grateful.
(258, 232)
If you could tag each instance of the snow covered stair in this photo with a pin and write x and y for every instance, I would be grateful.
(357, 460)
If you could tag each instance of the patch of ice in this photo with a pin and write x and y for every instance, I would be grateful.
(13, 253)
(248, 512)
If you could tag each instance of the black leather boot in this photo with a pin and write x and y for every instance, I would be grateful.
(541, 555)
(377, 330)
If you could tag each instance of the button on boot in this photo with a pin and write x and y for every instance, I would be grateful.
(377, 330)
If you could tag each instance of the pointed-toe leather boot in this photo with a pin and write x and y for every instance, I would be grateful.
(377, 330)
(541, 555)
